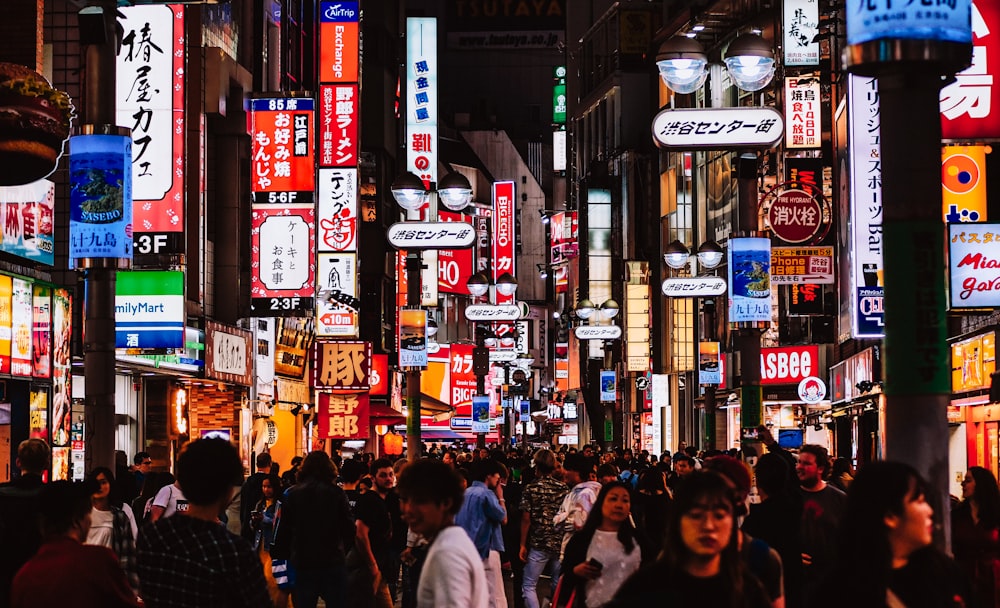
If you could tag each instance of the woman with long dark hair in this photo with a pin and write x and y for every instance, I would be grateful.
(886, 557)
(112, 523)
(975, 534)
(700, 564)
(604, 552)
(651, 503)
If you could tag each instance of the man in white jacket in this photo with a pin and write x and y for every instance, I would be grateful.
(580, 475)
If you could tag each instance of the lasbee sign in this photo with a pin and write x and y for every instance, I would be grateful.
(788, 364)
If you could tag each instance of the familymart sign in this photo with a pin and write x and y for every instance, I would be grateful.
(149, 309)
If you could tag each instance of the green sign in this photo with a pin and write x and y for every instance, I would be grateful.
(609, 429)
(149, 309)
(559, 96)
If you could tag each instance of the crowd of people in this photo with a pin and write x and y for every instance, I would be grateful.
(461, 528)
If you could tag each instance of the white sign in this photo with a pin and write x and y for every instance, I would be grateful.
(718, 128)
(801, 24)
(431, 235)
(501, 355)
(802, 113)
(336, 301)
(559, 150)
(422, 97)
(276, 232)
(264, 338)
(974, 264)
(491, 312)
(229, 354)
(812, 390)
(598, 332)
(694, 287)
(662, 415)
(337, 210)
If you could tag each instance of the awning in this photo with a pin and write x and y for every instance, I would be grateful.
(384, 414)
(429, 406)
(439, 434)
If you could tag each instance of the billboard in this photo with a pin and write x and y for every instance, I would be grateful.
(100, 197)
(282, 265)
(412, 337)
(41, 332)
(149, 309)
(749, 280)
(62, 330)
(463, 382)
(338, 41)
(228, 354)
(27, 218)
(970, 106)
(339, 113)
(709, 368)
(281, 139)
(973, 360)
(974, 265)
(421, 98)
(802, 265)
(22, 319)
(963, 181)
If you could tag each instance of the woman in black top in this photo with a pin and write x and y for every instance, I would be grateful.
(700, 563)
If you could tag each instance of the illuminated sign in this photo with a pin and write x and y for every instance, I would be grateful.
(801, 24)
(749, 280)
(963, 177)
(100, 197)
(412, 338)
(41, 332)
(503, 235)
(149, 309)
(21, 322)
(430, 235)
(718, 128)
(228, 354)
(802, 265)
(942, 21)
(788, 364)
(342, 416)
(709, 368)
(422, 98)
(337, 302)
(972, 362)
(970, 106)
(455, 266)
(974, 264)
(282, 264)
(62, 394)
(802, 113)
(339, 112)
(281, 134)
(27, 218)
(338, 47)
(337, 211)
(341, 365)
(463, 383)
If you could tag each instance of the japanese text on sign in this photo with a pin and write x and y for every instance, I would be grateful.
(282, 147)
(343, 416)
(338, 125)
(342, 365)
(866, 203)
(802, 113)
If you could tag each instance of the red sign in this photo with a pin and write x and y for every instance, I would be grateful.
(41, 332)
(338, 51)
(342, 416)
(339, 108)
(281, 133)
(378, 376)
(503, 234)
(794, 215)
(342, 365)
(788, 364)
(454, 265)
(463, 380)
(970, 107)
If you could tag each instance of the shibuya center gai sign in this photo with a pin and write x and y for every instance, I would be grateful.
(431, 235)
(718, 128)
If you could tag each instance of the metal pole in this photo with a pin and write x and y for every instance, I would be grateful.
(917, 364)
(413, 449)
(709, 304)
(99, 279)
(481, 385)
(748, 335)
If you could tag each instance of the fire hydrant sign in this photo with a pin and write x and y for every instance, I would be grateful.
(342, 416)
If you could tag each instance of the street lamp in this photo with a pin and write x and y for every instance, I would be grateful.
(683, 63)
(411, 194)
(750, 62)
(677, 255)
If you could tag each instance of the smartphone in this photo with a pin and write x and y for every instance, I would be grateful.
(593, 562)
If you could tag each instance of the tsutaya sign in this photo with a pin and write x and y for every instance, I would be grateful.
(598, 332)
(718, 128)
(431, 235)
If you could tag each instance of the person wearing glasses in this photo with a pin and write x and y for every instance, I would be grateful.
(143, 465)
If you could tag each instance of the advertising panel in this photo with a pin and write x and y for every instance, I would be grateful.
(503, 234)
(337, 212)
(341, 365)
(945, 22)
(378, 376)
(803, 128)
(480, 414)
(150, 101)
(970, 106)
(559, 95)
(749, 280)
(709, 370)
(974, 264)
(339, 112)
(801, 24)
(868, 319)
(41, 332)
(963, 181)
(227, 354)
(294, 341)
(6, 321)
(281, 134)
(26, 219)
(337, 305)
(455, 266)
(659, 391)
(338, 41)
(342, 416)
(463, 382)
(802, 265)
(62, 328)
(265, 339)
(100, 197)
(609, 386)
(21, 324)
(788, 364)
(412, 338)
(972, 362)
(149, 309)
(282, 263)
(421, 98)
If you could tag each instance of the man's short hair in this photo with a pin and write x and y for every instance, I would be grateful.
(139, 457)
(545, 461)
(481, 469)
(819, 453)
(207, 470)
(381, 463)
(33, 455)
(607, 470)
(352, 470)
(264, 462)
(429, 480)
(62, 503)
(682, 457)
(580, 464)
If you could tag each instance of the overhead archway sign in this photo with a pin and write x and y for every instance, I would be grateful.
(718, 128)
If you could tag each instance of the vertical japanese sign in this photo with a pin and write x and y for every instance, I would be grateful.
(802, 113)
(282, 263)
(749, 280)
(62, 327)
(970, 107)
(463, 384)
(801, 26)
(337, 211)
(150, 101)
(339, 111)
(454, 265)
(503, 234)
(338, 35)
(421, 98)
(865, 152)
(341, 365)
(41, 332)
(100, 197)
(963, 177)
(342, 416)
(337, 305)
(281, 133)
(21, 322)
(559, 95)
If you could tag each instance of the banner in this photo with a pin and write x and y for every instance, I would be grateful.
(709, 370)
(801, 24)
(342, 416)
(341, 365)
(609, 386)
(62, 394)
(100, 197)
(412, 338)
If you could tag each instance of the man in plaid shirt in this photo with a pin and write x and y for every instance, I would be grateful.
(540, 538)
(190, 560)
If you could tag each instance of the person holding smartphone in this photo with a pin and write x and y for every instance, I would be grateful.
(604, 552)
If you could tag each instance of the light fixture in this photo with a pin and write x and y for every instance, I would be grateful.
(750, 62)
(610, 309)
(683, 64)
(710, 254)
(698, 28)
(544, 215)
(543, 271)
(525, 360)
(432, 327)
(486, 335)
(454, 191)
(506, 284)
(676, 256)
(478, 284)
(584, 309)
(508, 340)
(409, 191)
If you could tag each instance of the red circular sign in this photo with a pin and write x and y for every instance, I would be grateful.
(795, 216)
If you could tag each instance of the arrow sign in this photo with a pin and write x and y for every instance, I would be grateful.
(694, 287)
(431, 235)
(492, 312)
(598, 332)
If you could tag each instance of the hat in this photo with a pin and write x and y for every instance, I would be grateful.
(732, 469)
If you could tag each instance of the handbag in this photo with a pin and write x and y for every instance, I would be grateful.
(557, 601)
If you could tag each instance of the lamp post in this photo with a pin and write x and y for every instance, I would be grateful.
(410, 192)
(606, 311)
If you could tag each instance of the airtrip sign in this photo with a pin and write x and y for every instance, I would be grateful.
(788, 364)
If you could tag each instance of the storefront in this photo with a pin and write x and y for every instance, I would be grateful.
(973, 422)
(858, 406)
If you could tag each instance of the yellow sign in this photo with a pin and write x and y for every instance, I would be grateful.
(972, 362)
(963, 181)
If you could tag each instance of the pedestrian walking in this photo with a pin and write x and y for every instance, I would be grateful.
(191, 560)
(151, 486)
(453, 576)
(886, 557)
(975, 534)
(700, 564)
(605, 552)
(65, 571)
(262, 522)
(580, 475)
(482, 514)
(111, 523)
(650, 505)
(251, 492)
(541, 540)
(822, 509)
(19, 539)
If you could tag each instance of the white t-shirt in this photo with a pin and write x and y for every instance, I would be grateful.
(618, 566)
(101, 528)
(171, 499)
(453, 575)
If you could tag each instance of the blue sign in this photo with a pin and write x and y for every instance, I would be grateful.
(275, 104)
(871, 315)
(100, 197)
(939, 20)
(749, 280)
(149, 309)
(525, 410)
(338, 12)
(480, 414)
(609, 385)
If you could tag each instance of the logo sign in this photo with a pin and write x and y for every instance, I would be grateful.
(609, 385)
(803, 111)
(795, 215)
(20, 334)
(337, 210)
(788, 364)
(281, 134)
(718, 128)
(342, 416)
(709, 367)
(503, 234)
(801, 21)
(491, 312)
(150, 100)
(598, 332)
(693, 287)
(227, 354)
(100, 197)
(463, 380)
(455, 265)
(422, 98)
(480, 414)
(27, 220)
(972, 362)
(884, 19)
(974, 261)
(339, 112)
(963, 177)
(412, 338)
(970, 107)
(749, 280)
(791, 265)
(642, 383)
(812, 390)
(341, 365)
(149, 309)
(282, 264)
(338, 46)
(337, 303)
(431, 235)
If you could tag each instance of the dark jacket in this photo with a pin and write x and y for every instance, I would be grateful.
(576, 553)
(250, 495)
(19, 534)
(655, 585)
(776, 522)
(314, 526)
